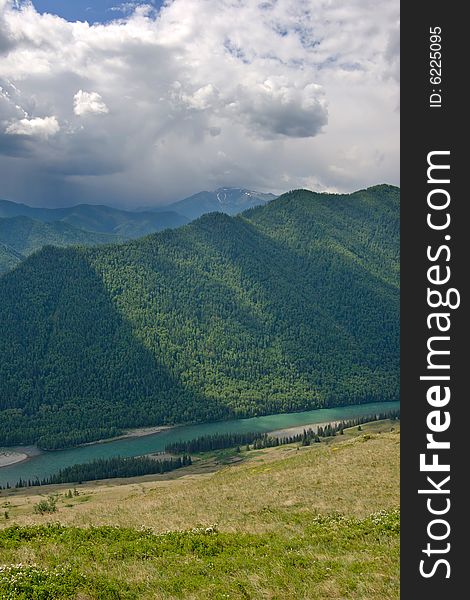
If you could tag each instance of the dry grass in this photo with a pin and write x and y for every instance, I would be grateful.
(273, 542)
(349, 475)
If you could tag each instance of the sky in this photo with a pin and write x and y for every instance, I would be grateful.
(144, 103)
(98, 11)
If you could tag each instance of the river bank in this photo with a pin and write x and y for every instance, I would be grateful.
(291, 431)
(148, 440)
(11, 456)
(8, 458)
(131, 433)
(17, 454)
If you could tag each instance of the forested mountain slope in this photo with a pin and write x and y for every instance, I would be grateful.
(289, 306)
(9, 258)
(21, 236)
(98, 218)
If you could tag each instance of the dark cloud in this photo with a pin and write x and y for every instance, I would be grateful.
(156, 106)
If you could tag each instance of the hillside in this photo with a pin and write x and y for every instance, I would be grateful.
(226, 200)
(306, 523)
(21, 236)
(98, 218)
(290, 306)
(8, 258)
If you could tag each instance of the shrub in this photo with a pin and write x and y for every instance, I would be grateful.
(46, 505)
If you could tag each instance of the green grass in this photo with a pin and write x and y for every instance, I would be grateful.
(335, 557)
(284, 524)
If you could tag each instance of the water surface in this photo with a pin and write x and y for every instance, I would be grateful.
(48, 463)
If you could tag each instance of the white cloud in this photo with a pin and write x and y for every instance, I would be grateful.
(42, 128)
(200, 95)
(279, 107)
(88, 103)
(205, 97)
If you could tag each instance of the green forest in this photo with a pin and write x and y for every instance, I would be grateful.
(20, 236)
(108, 468)
(218, 441)
(290, 306)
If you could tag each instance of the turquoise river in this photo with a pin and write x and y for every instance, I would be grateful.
(46, 463)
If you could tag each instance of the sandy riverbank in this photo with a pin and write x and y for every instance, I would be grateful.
(132, 433)
(146, 431)
(8, 457)
(290, 431)
(16, 454)
(12, 456)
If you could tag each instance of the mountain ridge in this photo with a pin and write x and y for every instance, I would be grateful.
(97, 218)
(100, 219)
(224, 199)
(22, 236)
(289, 306)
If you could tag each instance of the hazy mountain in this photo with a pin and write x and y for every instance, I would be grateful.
(21, 236)
(226, 200)
(26, 235)
(289, 306)
(9, 258)
(98, 218)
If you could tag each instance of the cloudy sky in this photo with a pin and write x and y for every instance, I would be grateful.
(145, 103)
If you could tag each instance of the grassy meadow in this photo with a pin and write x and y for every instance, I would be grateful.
(283, 523)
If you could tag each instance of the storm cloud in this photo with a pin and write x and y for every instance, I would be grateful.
(157, 105)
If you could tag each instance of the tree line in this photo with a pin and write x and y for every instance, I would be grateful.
(110, 468)
(289, 307)
(259, 440)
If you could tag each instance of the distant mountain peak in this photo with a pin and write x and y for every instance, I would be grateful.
(230, 200)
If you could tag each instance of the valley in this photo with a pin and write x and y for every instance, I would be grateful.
(199, 354)
(25, 229)
(290, 306)
(275, 320)
(283, 522)
(44, 464)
